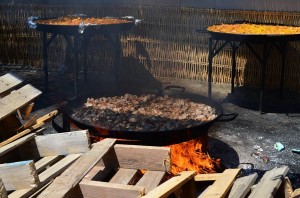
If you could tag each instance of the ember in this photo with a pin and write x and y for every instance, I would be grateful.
(191, 155)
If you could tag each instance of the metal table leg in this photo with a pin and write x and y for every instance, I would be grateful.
(76, 56)
(46, 44)
(263, 76)
(45, 59)
(85, 44)
(210, 59)
(66, 123)
(282, 51)
(233, 71)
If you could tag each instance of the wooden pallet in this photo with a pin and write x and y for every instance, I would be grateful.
(272, 184)
(226, 184)
(117, 170)
(30, 163)
(113, 170)
(16, 105)
(12, 100)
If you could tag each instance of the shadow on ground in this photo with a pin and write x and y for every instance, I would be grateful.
(249, 98)
(220, 150)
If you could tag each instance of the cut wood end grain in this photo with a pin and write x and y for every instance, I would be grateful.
(19, 175)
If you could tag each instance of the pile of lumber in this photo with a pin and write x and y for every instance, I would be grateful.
(117, 170)
(66, 165)
(29, 164)
(16, 101)
(230, 183)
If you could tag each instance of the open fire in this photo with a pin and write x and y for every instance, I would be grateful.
(192, 155)
(189, 155)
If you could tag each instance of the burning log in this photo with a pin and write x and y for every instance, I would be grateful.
(190, 155)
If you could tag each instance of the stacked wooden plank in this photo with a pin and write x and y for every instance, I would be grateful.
(30, 163)
(226, 184)
(12, 100)
(118, 170)
(115, 170)
(16, 105)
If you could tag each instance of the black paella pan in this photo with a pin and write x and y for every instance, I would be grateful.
(163, 137)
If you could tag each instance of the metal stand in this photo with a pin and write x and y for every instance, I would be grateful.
(80, 42)
(214, 50)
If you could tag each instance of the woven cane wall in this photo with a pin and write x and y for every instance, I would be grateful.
(165, 45)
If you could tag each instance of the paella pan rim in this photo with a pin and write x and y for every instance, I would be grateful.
(68, 110)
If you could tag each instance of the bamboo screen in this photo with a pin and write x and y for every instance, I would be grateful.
(166, 45)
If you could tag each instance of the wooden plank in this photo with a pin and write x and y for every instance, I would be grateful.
(285, 189)
(47, 176)
(208, 177)
(99, 173)
(296, 193)
(62, 143)
(222, 185)
(142, 157)
(21, 134)
(269, 183)
(74, 193)
(30, 122)
(76, 171)
(5, 149)
(8, 82)
(45, 162)
(150, 180)
(36, 193)
(96, 170)
(26, 110)
(92, 189)
(242, 186)
(172, 185)
(3, 193)
(19, 175)
(204, 192)
(39, 122)
(17, 100)
(45, 118)
(125, 176)
(188, 190)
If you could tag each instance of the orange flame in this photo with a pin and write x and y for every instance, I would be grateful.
(190, 156)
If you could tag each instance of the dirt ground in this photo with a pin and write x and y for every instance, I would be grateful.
(247, 141)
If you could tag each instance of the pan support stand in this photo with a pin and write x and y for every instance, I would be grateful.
(77, 44)
(216, 45)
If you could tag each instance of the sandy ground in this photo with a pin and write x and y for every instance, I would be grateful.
(247, 141)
